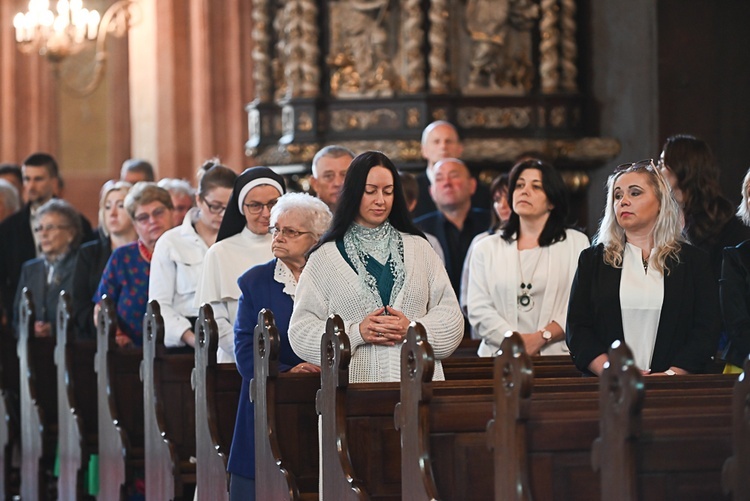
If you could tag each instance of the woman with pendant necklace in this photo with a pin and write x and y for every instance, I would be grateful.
(641, 283)
(519, 280)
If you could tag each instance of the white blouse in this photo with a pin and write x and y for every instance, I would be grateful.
(641, 298)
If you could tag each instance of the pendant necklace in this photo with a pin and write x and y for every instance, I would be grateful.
(525, 301)
(645, 264)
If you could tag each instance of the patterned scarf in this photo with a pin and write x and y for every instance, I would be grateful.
(362, 244)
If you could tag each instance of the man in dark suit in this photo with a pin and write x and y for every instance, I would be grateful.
(440, 140)
(17, 240)
(456, 222)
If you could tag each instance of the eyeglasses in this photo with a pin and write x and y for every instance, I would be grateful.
(144, 217)
(50, 227)
(647, 164)
(286, 232)
(214, 208)
(257, 207)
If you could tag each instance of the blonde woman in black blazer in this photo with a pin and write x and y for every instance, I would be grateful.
(672, 318)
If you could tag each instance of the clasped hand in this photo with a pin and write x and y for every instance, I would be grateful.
(386, 326)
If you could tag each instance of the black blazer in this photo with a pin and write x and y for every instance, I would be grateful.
(92, 258)
(689, 325)
(734, 289)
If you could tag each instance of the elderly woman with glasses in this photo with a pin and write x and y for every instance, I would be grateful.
(177, 262)
(58, 226)
(297, 222)
(243, 241)
(126, 275)
(519, 278)
(643, 284)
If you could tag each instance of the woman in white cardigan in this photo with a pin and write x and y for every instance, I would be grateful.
(520, 279)
(376, 270)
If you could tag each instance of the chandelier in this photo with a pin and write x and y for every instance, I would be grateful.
(70, 29)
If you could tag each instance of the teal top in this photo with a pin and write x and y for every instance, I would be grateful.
(382, 273)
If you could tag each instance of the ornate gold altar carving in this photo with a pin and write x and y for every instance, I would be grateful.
(359, 56)
(295, 65)
(500, 51)
(261, 51)
(413, 79)
(439, 78)
(384, 118)
(504, 118)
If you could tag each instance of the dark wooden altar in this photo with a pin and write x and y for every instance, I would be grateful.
(371, 74)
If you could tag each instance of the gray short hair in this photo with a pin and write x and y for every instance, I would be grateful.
(333, 151)
(434, 125)
(67, 211)
(315, 212)
(9, 196)
(143, 193)
(177, 186)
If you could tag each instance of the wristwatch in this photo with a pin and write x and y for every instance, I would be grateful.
(669, 372)
(546, 335)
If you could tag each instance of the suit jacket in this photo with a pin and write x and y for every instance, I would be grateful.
(92, 258)
(477, 221)
(689, 324)
(734, 289)
(16, 247)
(45, 296)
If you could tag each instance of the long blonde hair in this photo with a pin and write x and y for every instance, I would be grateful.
(667, 231)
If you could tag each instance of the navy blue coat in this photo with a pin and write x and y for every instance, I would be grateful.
(259, 290)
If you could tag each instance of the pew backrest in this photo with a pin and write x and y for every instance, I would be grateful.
(621, 393)
(735, 479)
(112, 438)
(31, 414)
(211, 455)
(278, 482)
(70, 426)
(162, 474)
(513, 378)
(410, 415)
(338, 478)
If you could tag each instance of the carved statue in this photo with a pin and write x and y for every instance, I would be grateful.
(359, 49)
(501, 45)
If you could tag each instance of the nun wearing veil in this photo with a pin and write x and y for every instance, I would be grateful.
(243, 242)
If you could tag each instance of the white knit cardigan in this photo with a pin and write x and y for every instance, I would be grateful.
(329, 285)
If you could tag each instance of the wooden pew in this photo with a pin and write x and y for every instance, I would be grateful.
(735, 479)
(217, 388)
(38, 406)
(169, 412)
(162, 470)
(678, 449)
(286, 425)
(120, 408)
(9, 422)
(76, 405)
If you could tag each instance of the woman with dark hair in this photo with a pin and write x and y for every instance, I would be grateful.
(178, 256)
(519, 279)
(376, 270)
(58, 226)
(499, 214)
(243, 241)
(690, 168)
